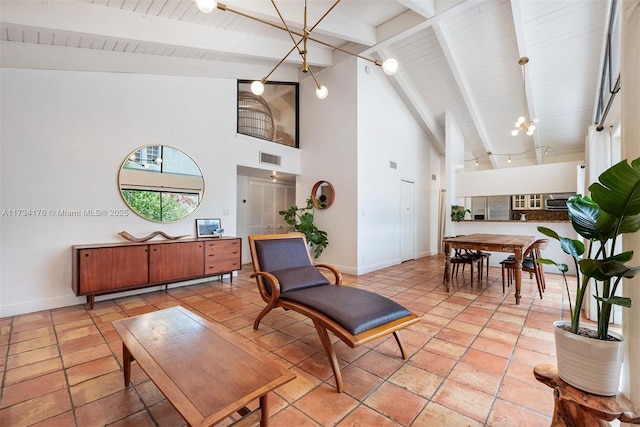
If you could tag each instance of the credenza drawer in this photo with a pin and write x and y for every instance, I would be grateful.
(222, 267)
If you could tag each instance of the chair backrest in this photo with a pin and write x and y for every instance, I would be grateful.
(535, 250)
(287, 257)
(280, 253)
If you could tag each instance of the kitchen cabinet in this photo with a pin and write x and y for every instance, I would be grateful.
(526, 202)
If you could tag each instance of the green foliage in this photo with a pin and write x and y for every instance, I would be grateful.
(612, 209)
(159, 206)
(458, 213)
(302, 220)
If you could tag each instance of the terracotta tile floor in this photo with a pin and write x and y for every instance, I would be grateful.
(471, 357)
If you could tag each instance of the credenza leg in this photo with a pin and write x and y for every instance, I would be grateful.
(91, 300)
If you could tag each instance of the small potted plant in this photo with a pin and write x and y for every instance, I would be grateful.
(458, 213)
(303, 221)
(612, 209)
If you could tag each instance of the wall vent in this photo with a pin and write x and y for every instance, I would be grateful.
(393, 165)
(271, 159)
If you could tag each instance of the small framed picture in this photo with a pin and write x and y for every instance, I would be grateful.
(208, 227)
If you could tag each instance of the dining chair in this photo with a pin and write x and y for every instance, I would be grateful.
(529, 265)
(464, 258)
(484, 257)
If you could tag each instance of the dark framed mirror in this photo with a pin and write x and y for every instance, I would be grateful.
(161, 183)
(322, 194)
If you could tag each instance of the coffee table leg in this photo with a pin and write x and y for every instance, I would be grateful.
(264, 419)
(126, 365)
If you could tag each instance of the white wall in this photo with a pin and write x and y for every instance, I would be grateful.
(630, 384)
(64, 136)
(328, 152)
(454, 147)
(387, 132)
(360, 127)
(551, 178)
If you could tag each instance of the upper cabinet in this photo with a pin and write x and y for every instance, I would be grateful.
(527, 202)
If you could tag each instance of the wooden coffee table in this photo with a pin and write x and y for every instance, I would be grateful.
(205, 372)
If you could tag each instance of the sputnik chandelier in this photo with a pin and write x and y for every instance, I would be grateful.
(524, 124)
(389, 66)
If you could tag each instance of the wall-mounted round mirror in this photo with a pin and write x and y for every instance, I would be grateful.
(322, 194)
(161, 183)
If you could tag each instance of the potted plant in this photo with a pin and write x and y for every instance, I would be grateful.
(612, 209)
(302, 220)
(458, 213)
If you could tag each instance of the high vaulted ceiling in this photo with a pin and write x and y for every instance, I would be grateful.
(457, 56)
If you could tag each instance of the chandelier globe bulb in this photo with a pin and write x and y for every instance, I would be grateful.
(322, 92)
(390, 66)
(206, 6)
(257, 88)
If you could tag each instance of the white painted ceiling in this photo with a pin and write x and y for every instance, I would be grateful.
(457, 56)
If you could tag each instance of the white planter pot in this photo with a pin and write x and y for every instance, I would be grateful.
(589, 364)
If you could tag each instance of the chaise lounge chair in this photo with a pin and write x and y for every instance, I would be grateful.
(287, 278)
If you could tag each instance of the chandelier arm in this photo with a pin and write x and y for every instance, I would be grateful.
(224, 7)
(314, 78)
(323, 16)
(524, 91)
(254, 18)
(264, 79)
(286, 27)
(374, 61)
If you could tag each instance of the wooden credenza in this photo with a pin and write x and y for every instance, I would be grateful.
(100, 269)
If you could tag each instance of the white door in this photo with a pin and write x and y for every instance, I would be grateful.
(407, 221)
(266, 199)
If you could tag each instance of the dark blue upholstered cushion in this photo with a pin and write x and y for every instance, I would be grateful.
(354, 309)
(295, 278)
(279, 254)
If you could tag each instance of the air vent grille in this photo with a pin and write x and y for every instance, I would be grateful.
(271, 159)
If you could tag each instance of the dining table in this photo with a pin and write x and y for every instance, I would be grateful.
(508, 243)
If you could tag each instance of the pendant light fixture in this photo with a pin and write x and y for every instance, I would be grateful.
(524, 124)
(389, 66)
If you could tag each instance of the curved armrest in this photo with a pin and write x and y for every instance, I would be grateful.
(274, 295)
(336, 273)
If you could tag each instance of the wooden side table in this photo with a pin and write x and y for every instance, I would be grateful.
(574, 407)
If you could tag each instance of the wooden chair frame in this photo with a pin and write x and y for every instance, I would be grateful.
(321, 322)
(531, 254)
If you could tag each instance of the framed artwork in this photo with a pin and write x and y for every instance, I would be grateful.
(273, 115)
(208, 227)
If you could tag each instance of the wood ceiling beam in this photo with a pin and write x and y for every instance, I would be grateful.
(418, 103)
(455, 64)
(90, 20)
(425, 8)
(333, 25)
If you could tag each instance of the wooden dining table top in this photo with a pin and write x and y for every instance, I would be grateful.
(491, 242)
